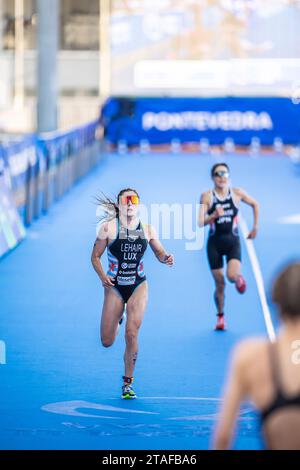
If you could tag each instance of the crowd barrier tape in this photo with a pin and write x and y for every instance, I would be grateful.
(38, 170)
(161, 121)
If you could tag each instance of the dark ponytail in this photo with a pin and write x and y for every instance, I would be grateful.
(109, 206)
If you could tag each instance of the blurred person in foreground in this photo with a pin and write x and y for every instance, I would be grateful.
(268, 374)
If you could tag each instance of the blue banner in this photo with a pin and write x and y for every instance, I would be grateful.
(161, 120)
(35, 171)
(17, 157)
(57, 146)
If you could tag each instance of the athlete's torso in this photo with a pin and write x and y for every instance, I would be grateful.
(281, 400)
(281, 418)
(227, 224)
(125, 255)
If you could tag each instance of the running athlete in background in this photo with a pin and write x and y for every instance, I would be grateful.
(126, 240)
(219, 209)
(267, 374)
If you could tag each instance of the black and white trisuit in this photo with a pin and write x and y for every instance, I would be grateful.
(126, 259)
(223, 237)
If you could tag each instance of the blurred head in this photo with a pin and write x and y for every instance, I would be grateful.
(220, 175)
(286, 292)
(128, 202)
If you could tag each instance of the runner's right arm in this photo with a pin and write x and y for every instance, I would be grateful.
(98, 250)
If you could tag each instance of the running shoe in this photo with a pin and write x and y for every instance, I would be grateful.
(128, 392)
(241, 285)
(220, 326)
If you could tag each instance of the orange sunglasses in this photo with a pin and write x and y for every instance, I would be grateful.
(133, 199)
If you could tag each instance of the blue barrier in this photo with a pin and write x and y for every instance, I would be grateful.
(66, 158)
(161, 120)
(37, 171)
(12, 230)
(16, 156)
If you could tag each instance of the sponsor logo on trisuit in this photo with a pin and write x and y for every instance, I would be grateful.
(126, 281)
(132, 238)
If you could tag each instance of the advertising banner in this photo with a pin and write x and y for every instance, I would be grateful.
(160, 120)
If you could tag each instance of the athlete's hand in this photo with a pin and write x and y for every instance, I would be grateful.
(219, 212)
(108, 281)
(168, 260)
(252, 234)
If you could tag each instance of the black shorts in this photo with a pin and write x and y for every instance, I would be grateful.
(217, 247)
(125, 292)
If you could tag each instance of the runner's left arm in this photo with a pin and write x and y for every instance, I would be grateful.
(250, 201)
(158, 249)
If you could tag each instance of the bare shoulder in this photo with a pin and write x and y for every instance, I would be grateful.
(239, 192)
(249, 350)
(107, 229)
(206, 197)
(150, 231)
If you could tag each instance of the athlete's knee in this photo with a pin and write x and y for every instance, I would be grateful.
(106, 341)
(231, 276)
(131, 334)
(220, 284)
